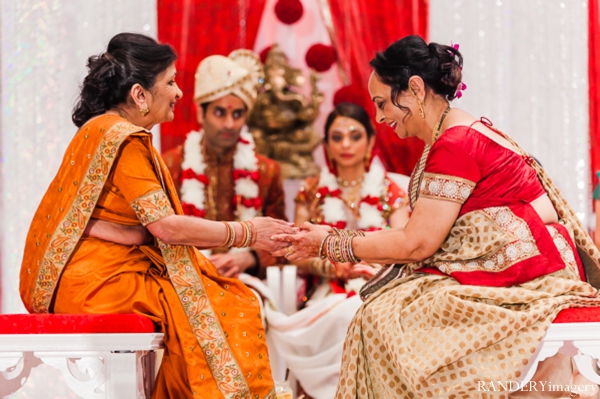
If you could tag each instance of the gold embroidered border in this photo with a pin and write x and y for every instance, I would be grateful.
(522, 247)
(446, 187)
(566, 252)
(204, 322)
(152, 207)
(71, 227)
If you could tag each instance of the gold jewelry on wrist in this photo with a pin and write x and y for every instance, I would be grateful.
(248, 235)
(244, 236)
(253, 233)
(230, 235)
(322, 249)
(337, 246)
(323, 268)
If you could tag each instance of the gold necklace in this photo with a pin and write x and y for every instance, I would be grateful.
(436, 130)
(353, 183)
(351, 196)
(417, 175)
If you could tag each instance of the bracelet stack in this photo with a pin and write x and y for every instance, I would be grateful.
(250, 235)
(248, 239)
(323, 268)
(230, 235)
(337, 246)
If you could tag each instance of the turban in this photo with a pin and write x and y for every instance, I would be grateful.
(240, 74)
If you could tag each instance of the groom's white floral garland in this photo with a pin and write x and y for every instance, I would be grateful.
(245, 176)
(372, 203)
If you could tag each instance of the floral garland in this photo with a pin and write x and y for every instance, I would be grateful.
(372, 203)
(245, 176)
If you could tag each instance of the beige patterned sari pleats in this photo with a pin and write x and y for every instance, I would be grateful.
(427, 336)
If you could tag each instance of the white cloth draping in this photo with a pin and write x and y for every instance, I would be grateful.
(311, 341)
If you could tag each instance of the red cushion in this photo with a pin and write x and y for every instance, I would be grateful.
(74, 324)
(578, 315)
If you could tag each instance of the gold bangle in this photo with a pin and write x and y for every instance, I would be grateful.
(322, 254)
(247, 240)
(228, 232)
(244, 237)
(231, 235)
(253, 233)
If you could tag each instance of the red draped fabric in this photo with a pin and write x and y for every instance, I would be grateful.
(197, 29)
(363, 27)
(594, 88)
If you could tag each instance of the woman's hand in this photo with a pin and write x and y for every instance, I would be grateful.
(232, 264)
(305, 244)
(267, 227)
(364, 270)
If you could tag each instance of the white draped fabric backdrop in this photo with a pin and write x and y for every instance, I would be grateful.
(525, 67)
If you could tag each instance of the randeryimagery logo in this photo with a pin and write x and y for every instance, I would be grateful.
(570, 390)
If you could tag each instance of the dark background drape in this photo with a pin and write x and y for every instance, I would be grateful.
(197, 29)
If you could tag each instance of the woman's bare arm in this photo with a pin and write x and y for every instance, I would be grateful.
(426, 230)
(118, 233)
(202, 233)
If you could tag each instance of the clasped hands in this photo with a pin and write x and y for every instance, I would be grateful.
(303, 244)
(306, 243)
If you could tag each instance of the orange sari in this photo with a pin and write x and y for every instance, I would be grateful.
(214, 338)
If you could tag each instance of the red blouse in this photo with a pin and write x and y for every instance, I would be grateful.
(498, 173)
(467, 167)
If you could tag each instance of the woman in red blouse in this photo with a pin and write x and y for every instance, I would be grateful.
(485, 262)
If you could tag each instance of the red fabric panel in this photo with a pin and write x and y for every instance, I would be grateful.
(578, 315)
(594, 89)
(197, 29)
(363, 27)
(75, 324)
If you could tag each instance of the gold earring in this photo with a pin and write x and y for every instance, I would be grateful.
(421, 103)
(367, 161)
(144, 111)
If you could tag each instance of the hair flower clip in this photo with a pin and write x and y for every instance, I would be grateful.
(459, 89)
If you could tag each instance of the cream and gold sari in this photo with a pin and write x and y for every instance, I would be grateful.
(475, 312)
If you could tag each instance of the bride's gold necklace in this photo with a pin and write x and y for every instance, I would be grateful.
(352, 196)
(353, 183)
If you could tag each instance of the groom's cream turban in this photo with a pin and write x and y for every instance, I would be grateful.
(241, 73)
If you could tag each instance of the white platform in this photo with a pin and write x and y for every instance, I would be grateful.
(94, 366)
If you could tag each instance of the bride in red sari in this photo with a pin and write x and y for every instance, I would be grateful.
(485, 263)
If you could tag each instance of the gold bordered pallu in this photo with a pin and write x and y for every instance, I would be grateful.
(215, 322)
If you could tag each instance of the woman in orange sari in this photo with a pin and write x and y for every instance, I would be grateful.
(483, 266)
(214, 338)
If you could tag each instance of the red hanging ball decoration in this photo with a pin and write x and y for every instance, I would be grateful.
(289, 11)
(349, 94)
(320, 57)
